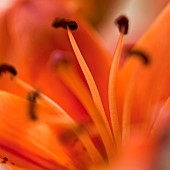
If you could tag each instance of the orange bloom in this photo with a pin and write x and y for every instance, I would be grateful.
(82, 110)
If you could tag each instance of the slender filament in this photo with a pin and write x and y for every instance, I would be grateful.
(112, 89)
(108, 143)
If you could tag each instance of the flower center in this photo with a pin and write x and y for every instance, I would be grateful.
(96, 109)
(112, 135)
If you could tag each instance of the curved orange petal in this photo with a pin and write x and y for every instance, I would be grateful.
(153, 82)
(34, 144)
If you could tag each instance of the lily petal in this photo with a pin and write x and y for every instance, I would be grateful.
(155, 43)
(21, 138)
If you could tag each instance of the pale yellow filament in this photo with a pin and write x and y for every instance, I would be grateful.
(107, 140)
(74, 83)
(112, 90)
(90, 80)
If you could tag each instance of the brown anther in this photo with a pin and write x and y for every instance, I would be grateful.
(5, 158)
(140, 54)
(32, 98)
(64, 23)
(122, 22)
(7, 68)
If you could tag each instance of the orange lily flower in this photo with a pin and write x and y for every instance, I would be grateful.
(82, 111)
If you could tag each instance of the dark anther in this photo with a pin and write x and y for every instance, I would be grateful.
(32, 97)
(141, 54)
(64, 23)
(122, 21)
(5, 158)
(7, 68)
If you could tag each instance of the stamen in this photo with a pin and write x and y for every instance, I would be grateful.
(32, 97)
(7, 68)
(84, 138)
(70, 77)
(123, 24)
(141, 54)
(64, 23)
(5, 158)
(44, 98)
(107, 139)
(123, 27)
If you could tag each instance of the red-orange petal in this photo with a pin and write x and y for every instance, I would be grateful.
(153, 84)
